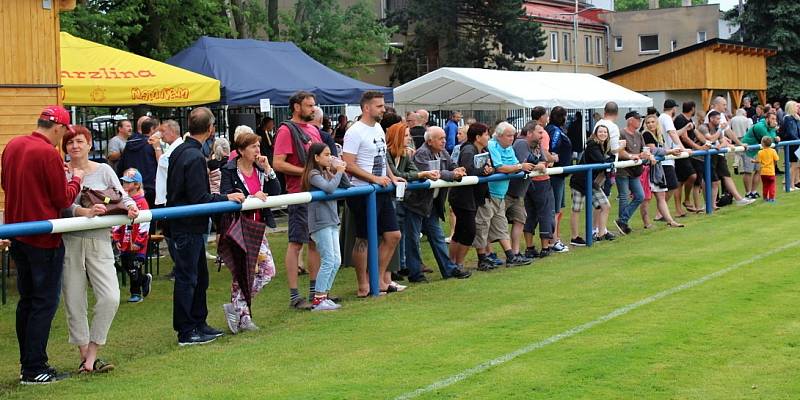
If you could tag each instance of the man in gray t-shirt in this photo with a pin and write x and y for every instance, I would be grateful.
(117, 144)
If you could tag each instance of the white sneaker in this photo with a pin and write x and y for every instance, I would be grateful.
(231, 317)
(249, 326)
(399, 287)
(326, 305)
(744, 201)
(559, 247)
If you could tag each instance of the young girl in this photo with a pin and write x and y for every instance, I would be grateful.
(596, 152)
(326, 173)
(767, 157)
(131, 240)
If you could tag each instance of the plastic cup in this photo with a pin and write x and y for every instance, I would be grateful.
(400, 190)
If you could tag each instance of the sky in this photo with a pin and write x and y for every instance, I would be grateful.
(725, 5)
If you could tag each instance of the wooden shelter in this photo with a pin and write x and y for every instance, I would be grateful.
(708, 67)
(30, 75)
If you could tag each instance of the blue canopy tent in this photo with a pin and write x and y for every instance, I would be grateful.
(250, 70)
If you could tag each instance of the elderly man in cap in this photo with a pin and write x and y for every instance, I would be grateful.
(628, 182)
(426, 207)
(36, 189)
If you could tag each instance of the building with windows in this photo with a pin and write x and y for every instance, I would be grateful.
(564, 42)
(637, 36)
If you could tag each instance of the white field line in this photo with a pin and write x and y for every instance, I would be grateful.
(578, 329)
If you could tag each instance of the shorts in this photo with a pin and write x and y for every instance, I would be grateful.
(684, 169)
(720, 166)
(599, 199)
(557, 183)
(490, 223)
(672, 178)
(792, 156)
(747, 164)
(540, 210)
(387, 217)
(464, 232)
(298, 223)
(699, 167)
(515, 209)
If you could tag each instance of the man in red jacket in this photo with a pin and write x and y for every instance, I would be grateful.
(37, 189)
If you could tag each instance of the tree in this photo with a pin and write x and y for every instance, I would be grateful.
(153, 28)
(467, 33)
(345, 40)
(632, 5)
(774, 24)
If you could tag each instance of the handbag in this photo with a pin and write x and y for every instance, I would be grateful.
(110, 198)
(657, 176)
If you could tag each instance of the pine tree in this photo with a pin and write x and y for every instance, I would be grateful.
(467, 33)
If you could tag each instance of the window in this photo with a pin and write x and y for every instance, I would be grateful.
(598, 50)
(648, 44)
(618, 43)
(567, 41)
(701, 36)
(673, 45)
(587, 44)
(554, 46)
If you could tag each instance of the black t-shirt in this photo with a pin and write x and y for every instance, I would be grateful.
(751, 111)
(681, 121)
(649, 138)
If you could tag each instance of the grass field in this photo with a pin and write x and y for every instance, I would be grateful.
(733, 336)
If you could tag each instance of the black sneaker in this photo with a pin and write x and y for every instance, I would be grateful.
(300, 304)
(419, 280)
(148, 280)
(518, 260)
(531, 252)
(624, 229)
(45, 377)
(756, 195)
(459, 273)
(609, 236)
(577, 241)
(543, 253)
(486, 265)
(597, 238)
(195, 337)
(207, 330)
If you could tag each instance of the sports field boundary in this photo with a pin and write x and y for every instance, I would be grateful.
(482, 367)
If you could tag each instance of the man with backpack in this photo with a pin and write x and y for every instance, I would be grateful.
(292, 141)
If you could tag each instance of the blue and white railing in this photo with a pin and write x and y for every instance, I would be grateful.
(84, 223)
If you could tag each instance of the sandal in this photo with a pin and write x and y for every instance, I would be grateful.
(680, 215)
(101, 366)
(390, 289)
(689, 208)
(675, 225)
(648, 226)
(82, 369)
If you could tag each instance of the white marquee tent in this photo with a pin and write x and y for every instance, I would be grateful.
(483, 89)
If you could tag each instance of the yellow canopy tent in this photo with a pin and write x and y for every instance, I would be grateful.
(96, 75)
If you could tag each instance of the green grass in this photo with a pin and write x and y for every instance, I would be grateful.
(733, 337)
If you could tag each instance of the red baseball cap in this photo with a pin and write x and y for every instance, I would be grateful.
(57, 114)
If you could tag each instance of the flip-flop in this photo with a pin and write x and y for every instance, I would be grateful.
(689, 208)
(680, 216)
(101, 366)
(676, 225)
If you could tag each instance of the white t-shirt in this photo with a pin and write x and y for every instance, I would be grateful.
(161, 172)
(667, 124)
(740, 124)
(613, 133)
(368, 144)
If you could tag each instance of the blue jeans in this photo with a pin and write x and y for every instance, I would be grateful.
(39, 274)
(627, 185)
(429, 226)
(189, 307)
(327, 241)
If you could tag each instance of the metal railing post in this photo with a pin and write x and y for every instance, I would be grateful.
(372, 244)
(787, 169)
(707, 180)
(589, 208)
